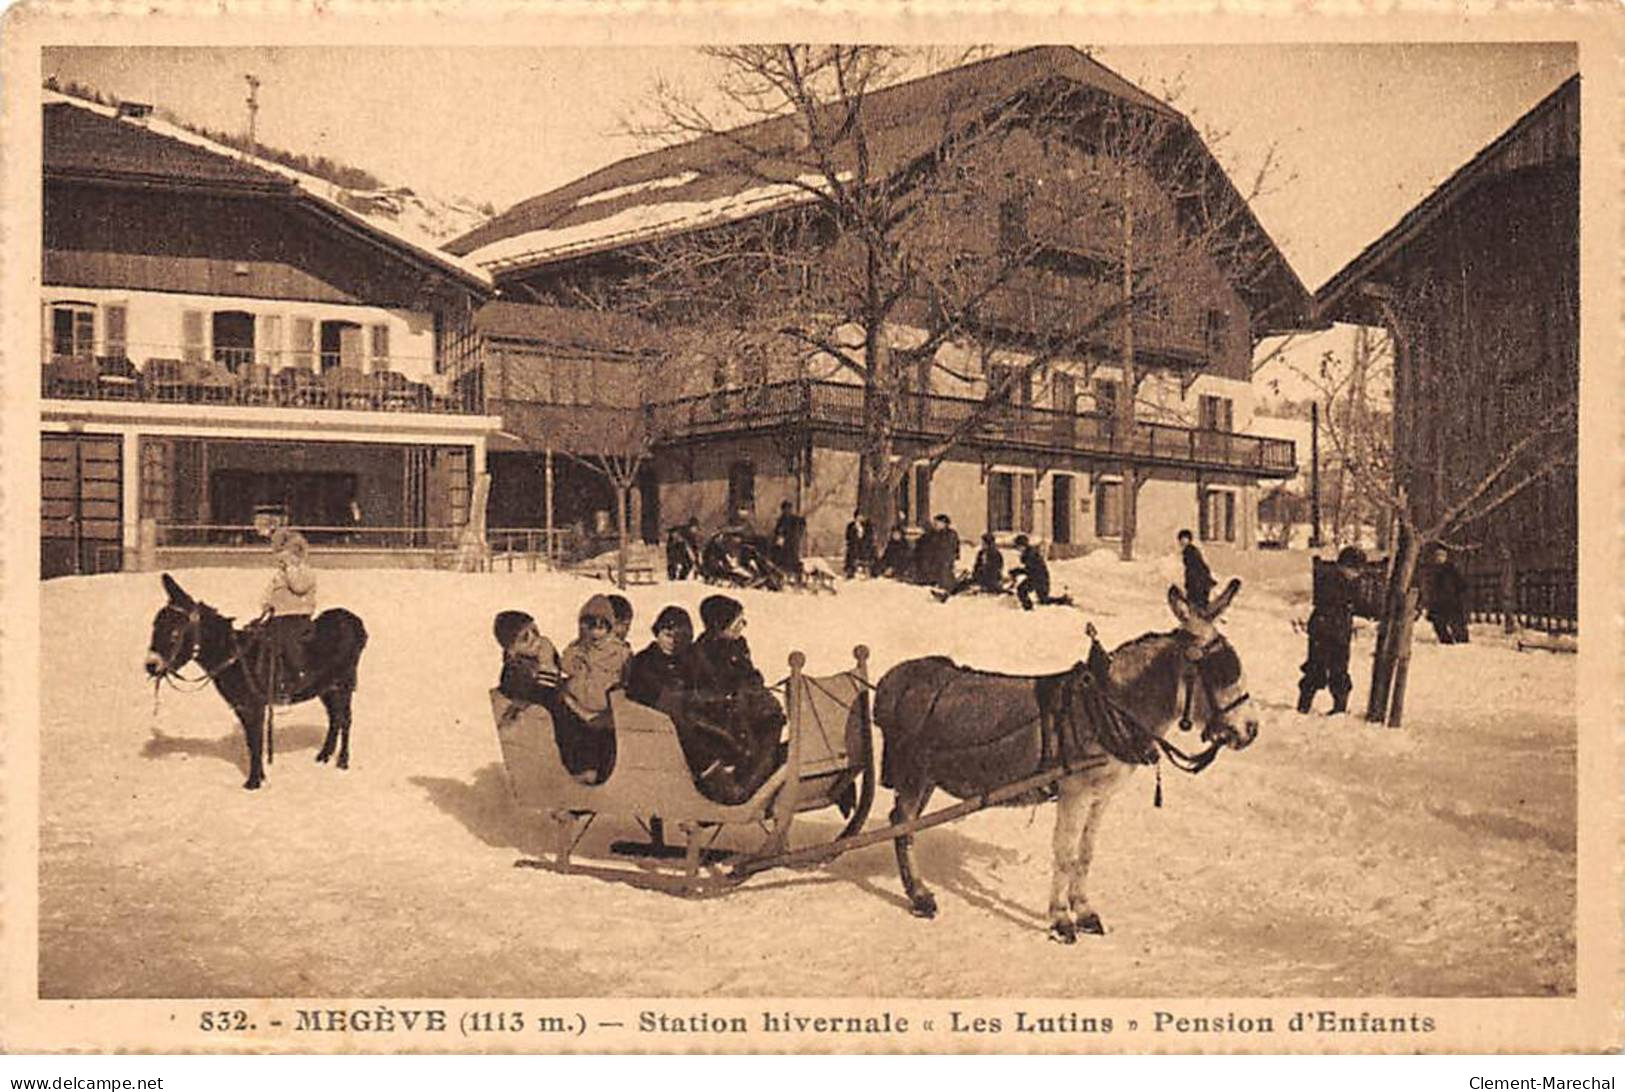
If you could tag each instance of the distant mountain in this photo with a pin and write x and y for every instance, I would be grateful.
(428, 215)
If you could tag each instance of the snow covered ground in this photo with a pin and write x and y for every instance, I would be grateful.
(1331, 858)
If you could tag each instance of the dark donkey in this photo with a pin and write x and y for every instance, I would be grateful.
(972, 732)
(236, 662)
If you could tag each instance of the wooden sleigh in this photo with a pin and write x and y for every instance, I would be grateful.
(830, 754)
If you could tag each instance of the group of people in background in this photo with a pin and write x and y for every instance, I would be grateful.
(727, 720)
(737, 555)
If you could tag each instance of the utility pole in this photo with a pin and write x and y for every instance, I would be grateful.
(1125, 399)
(253, 111)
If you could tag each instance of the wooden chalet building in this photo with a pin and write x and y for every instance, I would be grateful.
(1478, 286)
(224, 346)
(752, 431)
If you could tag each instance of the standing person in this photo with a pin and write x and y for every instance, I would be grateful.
(938, 554)
(1034, 574)
(1447, 599)
(898, 560)
(289, 601)
(1331, 629)
(788, 534)
(860, 546)
(1198, 577)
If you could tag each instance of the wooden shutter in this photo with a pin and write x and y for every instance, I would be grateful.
(922, 495)
(268, 336)
(193, 341)
(1229, 516)
(1026, 483)
(1203, 523)
(380, 347)
(304, 342)
(114, 321)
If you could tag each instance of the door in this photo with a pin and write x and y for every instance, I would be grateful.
(1061, 509)
(81, 511)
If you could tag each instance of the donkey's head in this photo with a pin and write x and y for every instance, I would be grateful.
(1214, 675)
(176, 629)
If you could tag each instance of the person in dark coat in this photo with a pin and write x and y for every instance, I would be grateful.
(1331, 629)
(730, 714)
(898, 560)
(788, 534)
(937, 554)
(1447, 599)
(1198, 577)
(683, 550)
(860, 545)
(657, 670)
(1033, 572)
(987, 571)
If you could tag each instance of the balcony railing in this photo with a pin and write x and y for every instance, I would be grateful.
(244, 377)
(840, 406)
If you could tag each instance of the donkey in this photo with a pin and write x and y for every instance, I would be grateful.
(972, 733)
(237, 662)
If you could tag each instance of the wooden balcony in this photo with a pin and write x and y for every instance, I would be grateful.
(838, 407)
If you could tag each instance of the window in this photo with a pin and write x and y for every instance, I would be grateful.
(1216, 414)
(914, 497)
(1010, 501)
(741, 489)
(1005, 387)
(115, 321)
(1218, 515)
(378, 342)
(1108, 509)
(1217, 334)
(1106, 397)
(73, 330)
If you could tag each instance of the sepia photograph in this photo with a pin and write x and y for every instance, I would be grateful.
(847, 545)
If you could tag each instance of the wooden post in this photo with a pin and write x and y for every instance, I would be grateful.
(547, 504)
(1509, 591)
(1315, 540)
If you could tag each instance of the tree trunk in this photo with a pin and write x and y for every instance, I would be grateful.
(1394, 628)
(623, 497)
(1509, 592)
(1402, 662)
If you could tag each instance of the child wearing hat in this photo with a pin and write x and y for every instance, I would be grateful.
(530, 664)
(593, 662)
(657, 670)
(728, 700)
(289, 601)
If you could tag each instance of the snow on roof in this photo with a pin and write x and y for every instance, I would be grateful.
(669, 182)
(318, 189)
(644, 221)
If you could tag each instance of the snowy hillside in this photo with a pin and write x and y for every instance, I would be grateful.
(415, 211)
(1330, 858)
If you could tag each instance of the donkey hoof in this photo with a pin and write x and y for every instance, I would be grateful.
(924, 906)
(344, 762)
(323, 756)
(252, 783)
(1063, 931)
(1090, 923)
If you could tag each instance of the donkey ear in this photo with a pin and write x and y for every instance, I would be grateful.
(1177, 604)
(176, 595)
(1222, 603)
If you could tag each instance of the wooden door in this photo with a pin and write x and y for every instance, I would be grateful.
(81, 507)
(1061, 509)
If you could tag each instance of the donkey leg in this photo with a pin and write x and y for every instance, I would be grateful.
(337, 703)
(1078, 897)
(252, 718)
(910, 803)
(1071, 814)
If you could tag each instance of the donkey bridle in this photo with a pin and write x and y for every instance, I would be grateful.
(190, 637)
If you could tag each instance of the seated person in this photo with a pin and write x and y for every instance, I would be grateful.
(986, 575)
(728, 712)
(656, 671)
(530, 664)
(897, 561)
(592, 664)
(622, 608)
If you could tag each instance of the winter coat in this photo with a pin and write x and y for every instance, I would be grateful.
(1332, 620)
(531, 679)
(652, 673)
(988, 572)
(1036, 571)
(592, 668)
(1198, 577)
(787, 537)
(936, 556)
(1447, 591)
(291, 591)
(860, 542)
(898, 560)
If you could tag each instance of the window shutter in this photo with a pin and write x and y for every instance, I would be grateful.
(114, 317)
(922, 495)
(268, 336)
(1228, 417)
(1229, 517)
(1203, 523)
(304, 342)
(380, 347)
(193, 344)
(1027, 484)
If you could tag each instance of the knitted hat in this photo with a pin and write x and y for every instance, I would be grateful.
(508, 625)
(622, 606)
(674, 618)
(284, 539)
(719, 611)
(597, 607)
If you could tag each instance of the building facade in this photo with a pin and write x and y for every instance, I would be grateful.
(1036, 448)
(224, 348)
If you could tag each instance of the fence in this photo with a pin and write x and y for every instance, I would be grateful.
(1544, 599)
(217, 535)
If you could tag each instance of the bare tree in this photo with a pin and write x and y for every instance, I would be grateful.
(1018, 232)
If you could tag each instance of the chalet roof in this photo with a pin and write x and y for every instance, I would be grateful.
(575, 327)
(691, 185)
(90, 141)
(1548, 133)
